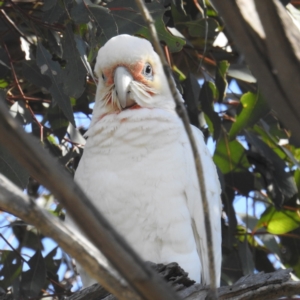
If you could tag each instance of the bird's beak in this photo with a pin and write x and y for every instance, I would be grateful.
(122, 80)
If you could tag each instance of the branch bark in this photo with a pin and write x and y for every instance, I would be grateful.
(42, 166)
(254, 286)
(14, 201)
(270, 41)
(265, 286)
(181, 111)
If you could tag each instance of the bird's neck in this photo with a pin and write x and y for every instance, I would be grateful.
(141, 126)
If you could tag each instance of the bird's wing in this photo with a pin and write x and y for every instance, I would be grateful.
(194, 202)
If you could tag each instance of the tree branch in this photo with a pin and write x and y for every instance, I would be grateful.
(181, 111)
(254, 286)
(49, 173)
(14, 201)
(270, 41)
(266, 286)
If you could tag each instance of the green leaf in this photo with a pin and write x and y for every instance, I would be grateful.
(53, 70)
(52, 264)
(174, 43)
(280, 184)
(120, 17)
(48, 4)
(3, 83)
(11, 267)
(191, 93)
(59, 123)
(241, 72)
(32, 73)
(254, 107)
(206, 99)
(297, 179)
(279, 222)
(81, 47)
(221, 82)
(54, 13)
(74, 73)
(11, 169)
(246, 257)
(230, 156)
(204, 28)
(243, 181)
(179, 16)
(34, 279)
(79, 13)
(105, 24)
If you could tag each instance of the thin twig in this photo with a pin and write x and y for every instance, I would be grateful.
(12, 24)
(14, 97)
(206, 33)
(13, 249)
(14, 72)
(181, 111)
(23, 95)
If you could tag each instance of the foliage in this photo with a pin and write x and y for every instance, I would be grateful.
(46, 59)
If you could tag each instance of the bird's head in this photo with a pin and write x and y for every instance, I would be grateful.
(130, 76)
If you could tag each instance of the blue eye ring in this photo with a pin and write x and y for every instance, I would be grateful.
(148, 71)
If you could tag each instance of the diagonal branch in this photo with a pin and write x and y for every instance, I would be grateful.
(181, 111)
(254, 286)
(14, 201)
(267, 36)
(26, 149)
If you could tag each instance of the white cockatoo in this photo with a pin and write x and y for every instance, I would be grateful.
(138, 168)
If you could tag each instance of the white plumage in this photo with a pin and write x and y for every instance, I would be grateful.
(138, 167)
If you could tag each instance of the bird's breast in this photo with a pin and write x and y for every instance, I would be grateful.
(138, 176)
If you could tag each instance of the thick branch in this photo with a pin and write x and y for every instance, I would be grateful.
(49, 173)
(268, 38)
(14, 201)
(264, 286)
(181, 111)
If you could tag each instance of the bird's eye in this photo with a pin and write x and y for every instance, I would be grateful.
(148, 71)
(103, 77)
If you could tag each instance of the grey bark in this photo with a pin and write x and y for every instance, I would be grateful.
(265, 286)
(267, 37)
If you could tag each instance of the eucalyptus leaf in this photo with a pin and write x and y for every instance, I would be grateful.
(82, 49)
(279, 221)
(254, 108)
(33, 73)
(221, 81)
(230, 156)
(53, 70)
(34, 279)
(174, 43)
(74, 73)
(206, 99)
(10, 267)
(246, 257)
(204, 28)
(280, 184)
(191, 97)
(11, 169)
(58, 122)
